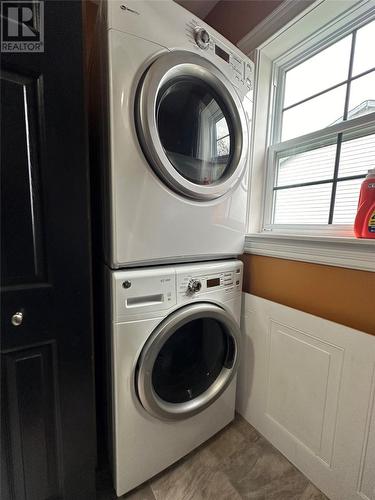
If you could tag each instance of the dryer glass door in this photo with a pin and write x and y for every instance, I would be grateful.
(191, 125)
(188, 361)
(195, 130)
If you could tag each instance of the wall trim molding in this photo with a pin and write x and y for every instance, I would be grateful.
(334, 251)
(274, 22)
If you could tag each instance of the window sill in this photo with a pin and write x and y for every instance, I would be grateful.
(329, 250)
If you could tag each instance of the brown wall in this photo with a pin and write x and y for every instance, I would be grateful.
(235, 18)
(346, 296)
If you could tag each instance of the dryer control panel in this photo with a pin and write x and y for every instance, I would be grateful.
(169, 25)
(241, 70)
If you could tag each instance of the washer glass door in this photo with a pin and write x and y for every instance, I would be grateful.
(188, 361)
(191, 125)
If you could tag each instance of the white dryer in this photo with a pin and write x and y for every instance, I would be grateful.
(175, 341)
(173, 101)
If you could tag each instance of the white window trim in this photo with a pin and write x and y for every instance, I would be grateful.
(314, 26)
(327, 250)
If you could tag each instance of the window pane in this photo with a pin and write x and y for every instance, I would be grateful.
(303, 205)
(364, 56)
(357, 156)
(315, 165)
(315, 114)
(223, 146)
(346, 202)
(221, 128)
(316, 74)
(362, 96)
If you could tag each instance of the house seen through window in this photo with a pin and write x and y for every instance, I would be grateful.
(325, 142)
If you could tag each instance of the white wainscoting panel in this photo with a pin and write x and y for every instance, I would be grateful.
(366, 479)
(304, 372)
(308, 385)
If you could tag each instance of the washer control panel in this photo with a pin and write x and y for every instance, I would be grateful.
(202, 38)
(146, 292)
(195, 285)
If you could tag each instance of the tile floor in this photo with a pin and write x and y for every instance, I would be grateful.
(237, 463)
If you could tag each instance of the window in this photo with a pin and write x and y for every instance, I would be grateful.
(323, 139)
(222, 138)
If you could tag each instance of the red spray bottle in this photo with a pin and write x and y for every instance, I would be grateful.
(364, 224)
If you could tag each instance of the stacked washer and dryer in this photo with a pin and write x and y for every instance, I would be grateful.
(173, 102)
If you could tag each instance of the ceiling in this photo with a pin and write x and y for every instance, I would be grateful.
(200, 8)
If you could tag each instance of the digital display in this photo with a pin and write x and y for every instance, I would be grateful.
(213, 282)
(221, 53)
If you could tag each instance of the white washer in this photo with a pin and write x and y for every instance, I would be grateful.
(175, 344)
(177, 98)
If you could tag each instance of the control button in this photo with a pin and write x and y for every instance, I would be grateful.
(194, 286)
(202, 38)
(127, 284)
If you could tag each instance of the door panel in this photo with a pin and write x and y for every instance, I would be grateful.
(21, 210)
(31, 398)
(48, 414)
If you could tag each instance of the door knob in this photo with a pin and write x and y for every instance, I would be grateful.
(17, 319)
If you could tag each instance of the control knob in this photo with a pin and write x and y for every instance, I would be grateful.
(202, 38)
(194, 286)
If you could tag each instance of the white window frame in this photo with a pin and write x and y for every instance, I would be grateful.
(357, 127)
(321, 24)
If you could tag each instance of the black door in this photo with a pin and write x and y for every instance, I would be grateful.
(48, 427)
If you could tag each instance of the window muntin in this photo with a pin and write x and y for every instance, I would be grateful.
(321, 111)
(314, 73)
(325, 89)
(317, 174)
(306, 167)
(321, 185)
(302, 204)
